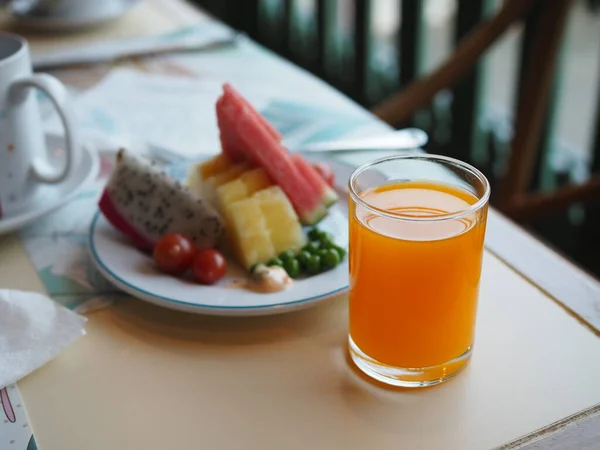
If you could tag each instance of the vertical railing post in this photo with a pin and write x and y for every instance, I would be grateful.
(547, 22)
(322, 21)
(410, 38)
(362, 22)
(467, 93)
(325, 20)
(540, 176)
(590, 235)
(287, 20)
(246, 13)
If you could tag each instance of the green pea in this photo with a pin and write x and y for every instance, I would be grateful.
(340, 251)
(322, 252)
(329, 259)
(326, 243)
(275, 262)
(287, 255)
(325, 236)
(292, 267)
(313, 265)
(303, 257)
(312, 247)
(314, 234)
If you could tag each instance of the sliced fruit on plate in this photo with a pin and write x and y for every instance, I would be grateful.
(230, 192)
(210, 185)
(285, 231)
(214, 166)
(230, 143)
(247, 232)
(229, 89)
(144, 203)
(255, 180)
(207, 169)
(194, 181)
(327, 194)
(263, 149)
(260, 234)
(325, 172)
(242, 187)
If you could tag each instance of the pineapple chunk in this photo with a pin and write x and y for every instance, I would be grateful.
(261, 222)
(248, 232)
(230, 174)
(193, 181)
(242, 187)
(285, 231)
(255, 180)
(210, 185)
(230, 192)
(200, 172)
(214, 166)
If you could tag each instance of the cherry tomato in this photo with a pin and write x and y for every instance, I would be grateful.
(209, 266)
(325, 172)
(173, 253)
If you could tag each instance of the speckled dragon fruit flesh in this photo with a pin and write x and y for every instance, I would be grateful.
(144, 203)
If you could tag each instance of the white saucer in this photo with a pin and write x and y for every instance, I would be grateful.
(28, 18)
(48, 197)
(133, 272)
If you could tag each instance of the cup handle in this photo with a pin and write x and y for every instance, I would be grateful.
(41, 169)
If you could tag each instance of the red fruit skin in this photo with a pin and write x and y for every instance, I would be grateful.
(229, 142)
(310, 173)
(174, 253)
(116, 220)
(326, 173)
(209, 266)
(229, 89)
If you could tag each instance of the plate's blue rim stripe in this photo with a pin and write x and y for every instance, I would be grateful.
(179, 302)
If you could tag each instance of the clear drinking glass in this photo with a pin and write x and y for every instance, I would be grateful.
(417, 225)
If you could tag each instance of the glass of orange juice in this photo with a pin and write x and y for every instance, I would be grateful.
(417, 224)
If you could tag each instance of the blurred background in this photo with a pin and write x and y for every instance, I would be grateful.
(371, 49)
(525, 110)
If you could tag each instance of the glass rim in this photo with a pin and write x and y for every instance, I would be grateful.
(480, 203)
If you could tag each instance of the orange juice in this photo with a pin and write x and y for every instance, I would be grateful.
(414, 283)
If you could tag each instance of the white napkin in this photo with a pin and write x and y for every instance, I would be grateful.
(33, 330)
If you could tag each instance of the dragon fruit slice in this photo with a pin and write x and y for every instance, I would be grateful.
(144, 203)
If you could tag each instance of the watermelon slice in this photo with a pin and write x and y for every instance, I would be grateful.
(230, 145)
(327, 195)
(230, 90)
(326, 173)
(262, 147)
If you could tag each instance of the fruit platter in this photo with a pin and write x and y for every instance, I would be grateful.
(252, 230)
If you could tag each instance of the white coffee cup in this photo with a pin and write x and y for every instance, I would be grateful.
(23, 156)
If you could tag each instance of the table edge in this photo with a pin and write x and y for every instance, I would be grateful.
(581, 429)
(555, 275)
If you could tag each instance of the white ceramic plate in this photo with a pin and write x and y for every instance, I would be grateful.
(48, 197)
(69, 20)
(133, 272)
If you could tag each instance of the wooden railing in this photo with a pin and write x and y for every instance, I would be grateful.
(342, 55)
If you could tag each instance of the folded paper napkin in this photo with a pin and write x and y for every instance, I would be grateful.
(33, 330)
